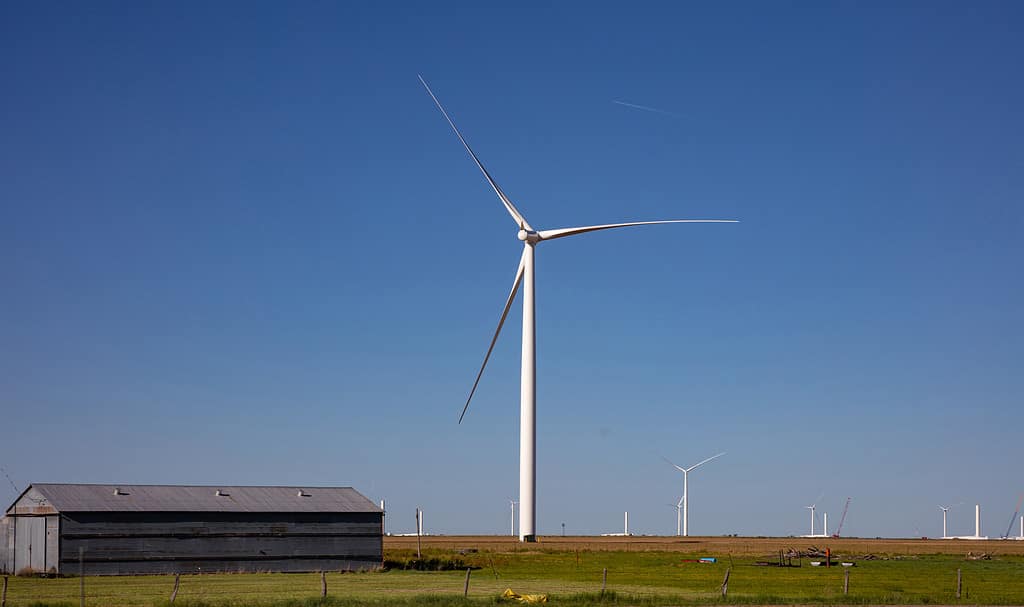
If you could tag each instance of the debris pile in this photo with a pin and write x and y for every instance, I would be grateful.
(811, 552)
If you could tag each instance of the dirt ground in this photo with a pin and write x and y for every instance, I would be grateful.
(714, 545)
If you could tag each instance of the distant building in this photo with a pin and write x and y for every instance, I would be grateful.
(133, 529)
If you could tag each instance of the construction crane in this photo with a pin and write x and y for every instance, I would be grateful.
(843, 518)
(1013, 518)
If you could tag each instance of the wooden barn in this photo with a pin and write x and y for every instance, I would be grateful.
(134, 529)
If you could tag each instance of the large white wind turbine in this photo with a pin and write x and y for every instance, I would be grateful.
(528, 384)
(684, 500)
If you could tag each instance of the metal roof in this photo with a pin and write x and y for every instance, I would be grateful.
(181, 498)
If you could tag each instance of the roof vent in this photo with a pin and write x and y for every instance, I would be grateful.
(117, 491)
(302, 493)
(220, 493)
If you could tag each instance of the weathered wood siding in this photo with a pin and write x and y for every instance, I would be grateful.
(162, 542)
(6, 544)
(52, 544)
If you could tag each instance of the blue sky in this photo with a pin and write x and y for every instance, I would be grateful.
(240, 245)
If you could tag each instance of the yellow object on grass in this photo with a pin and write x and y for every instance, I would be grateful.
(524, 598)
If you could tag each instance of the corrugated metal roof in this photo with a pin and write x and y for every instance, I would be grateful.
(180, 498)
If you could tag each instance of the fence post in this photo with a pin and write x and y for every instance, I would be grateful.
(323, 584)
(846, 581)
(418, 555)
(604, 581)
(725, 582)
(3, 595)
(174, 592)
(81, 576)
(465, 591)
(958, 580)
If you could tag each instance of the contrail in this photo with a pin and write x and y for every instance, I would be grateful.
(646, 108)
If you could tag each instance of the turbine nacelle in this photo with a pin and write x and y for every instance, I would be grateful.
(528, 236)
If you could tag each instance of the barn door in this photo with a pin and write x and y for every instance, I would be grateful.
(30, 543)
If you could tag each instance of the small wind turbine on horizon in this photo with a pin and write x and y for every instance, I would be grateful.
(679, 514)
(513, 503)
(528, 377)
(944, 509)
(811, 508)
(684, 501)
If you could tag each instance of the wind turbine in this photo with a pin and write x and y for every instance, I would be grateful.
(528, 378)
(811, 508)
(679, 514)
(684, 501)
(512, 503)
(944, 509)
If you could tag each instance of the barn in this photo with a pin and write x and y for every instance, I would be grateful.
(136, 529)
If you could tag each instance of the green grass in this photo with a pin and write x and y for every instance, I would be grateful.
(569, 578)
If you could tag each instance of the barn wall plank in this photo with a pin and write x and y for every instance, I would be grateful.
(241, 566)
(217, 548)
(199, 528)
(52, 562)
(6, 544)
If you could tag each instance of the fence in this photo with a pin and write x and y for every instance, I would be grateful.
(248, 587)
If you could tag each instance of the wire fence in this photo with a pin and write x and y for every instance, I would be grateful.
(257, 588)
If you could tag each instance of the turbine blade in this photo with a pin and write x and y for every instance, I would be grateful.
(672, 464)
(501, 322)
(559, 233)
(705, 461)
(516, 215)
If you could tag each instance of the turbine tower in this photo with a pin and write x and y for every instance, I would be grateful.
(684, 500)
(944, 509)
(528, 377)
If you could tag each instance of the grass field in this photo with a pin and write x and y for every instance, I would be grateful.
(641, 571)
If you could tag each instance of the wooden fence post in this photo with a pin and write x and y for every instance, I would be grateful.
(3, 595)
(725, 582)
(604, 581)
(81, 576)
(958, 580)
(323, 584)
(177, 581)
(465, 591)
(846, 581)
(418, 554)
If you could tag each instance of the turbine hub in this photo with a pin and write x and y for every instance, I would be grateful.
(528, 236)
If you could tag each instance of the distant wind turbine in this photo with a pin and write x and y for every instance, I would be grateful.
(684, 500)
(528, 384)
(679, 514)
(944, 509)
(512, 503)
(813, 505)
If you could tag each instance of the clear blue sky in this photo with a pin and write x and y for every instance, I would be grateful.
(239, 245)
